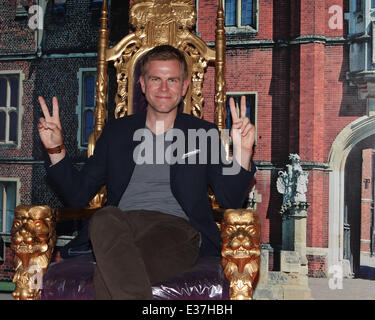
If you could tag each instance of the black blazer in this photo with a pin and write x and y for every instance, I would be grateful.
(112, 164)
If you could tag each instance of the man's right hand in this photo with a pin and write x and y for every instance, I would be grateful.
(50, 130)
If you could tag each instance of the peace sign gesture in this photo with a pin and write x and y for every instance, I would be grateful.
(49, 126)
(242, 133)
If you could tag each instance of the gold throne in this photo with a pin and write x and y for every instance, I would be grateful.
(155, 22)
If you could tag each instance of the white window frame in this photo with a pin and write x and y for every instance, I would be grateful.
(197, 21)
(18, 185)
(8, 109)
(80, 108)
(244, 93)
(239, 27)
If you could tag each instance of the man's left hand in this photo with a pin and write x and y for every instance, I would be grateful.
(242, 133)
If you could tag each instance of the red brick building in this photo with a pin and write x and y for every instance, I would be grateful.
(306, 69)
(306, 63)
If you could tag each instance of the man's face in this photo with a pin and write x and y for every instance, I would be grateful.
(163, 86)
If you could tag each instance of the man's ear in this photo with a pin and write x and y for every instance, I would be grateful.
(185, 87)
(142, 82)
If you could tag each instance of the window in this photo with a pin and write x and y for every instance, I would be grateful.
(9, 108)
(251, 109)
(96, 7)
(8, 199)
(86, 108)
(59, 7)
(96, 4)
(372, 3)
(358, 5)
(241, 13)
(21, 12)
(196, 23)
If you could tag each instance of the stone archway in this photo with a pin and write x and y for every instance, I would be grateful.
(345, 141)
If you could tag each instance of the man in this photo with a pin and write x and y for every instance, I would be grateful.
(157, 220)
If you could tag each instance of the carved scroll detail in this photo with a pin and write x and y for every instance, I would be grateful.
(122, 65)
(199, 64)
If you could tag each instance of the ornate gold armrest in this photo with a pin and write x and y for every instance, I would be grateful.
(33, 240)
(240, 233)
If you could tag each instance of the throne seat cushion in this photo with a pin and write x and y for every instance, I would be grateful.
(72, 279)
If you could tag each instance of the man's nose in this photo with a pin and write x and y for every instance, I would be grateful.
(164, 85)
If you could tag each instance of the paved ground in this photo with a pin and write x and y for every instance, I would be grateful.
(5, 296)
(361, 288)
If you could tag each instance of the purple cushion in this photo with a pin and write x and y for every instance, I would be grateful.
(204, 281)
(71, 279)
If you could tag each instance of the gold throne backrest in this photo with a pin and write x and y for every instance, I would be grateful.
(157, 22)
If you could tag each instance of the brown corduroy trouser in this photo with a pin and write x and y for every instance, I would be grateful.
(136, 249)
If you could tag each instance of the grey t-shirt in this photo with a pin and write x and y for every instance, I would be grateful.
(149, 187)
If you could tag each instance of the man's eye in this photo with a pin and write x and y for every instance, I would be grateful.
(173, 80)
(154, 79)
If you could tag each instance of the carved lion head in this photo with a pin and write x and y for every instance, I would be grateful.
(240, 233)
(33, 238)
(32, 231)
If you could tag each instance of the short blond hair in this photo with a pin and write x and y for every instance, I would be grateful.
(164, 52)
